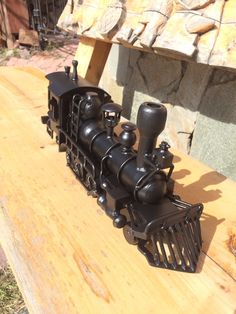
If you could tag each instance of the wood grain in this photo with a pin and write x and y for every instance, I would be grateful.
(190, 30)
(5, 26)
(207, 41)
(224, 52)
(65, 253)
(85, 15)
(178, 42)
(92, 55)
(17, 14)
(158, 14)
(111, 19)
(134, 11)
(199, 24)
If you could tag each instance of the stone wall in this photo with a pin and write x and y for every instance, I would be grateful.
(201, 102)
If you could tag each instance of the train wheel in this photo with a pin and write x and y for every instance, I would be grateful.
(91, 185)
(68, 158)
(78, 169)
(128, 234)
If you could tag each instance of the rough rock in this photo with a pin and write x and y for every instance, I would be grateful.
(28, 37)
(151, 75)
(133, 77)
(193, 85)
(214, 140)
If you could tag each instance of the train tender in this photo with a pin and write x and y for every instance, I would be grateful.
(132, 186)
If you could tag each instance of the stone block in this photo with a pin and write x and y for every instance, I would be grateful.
(152, 75)
(193, 85)
(214, 140)
(28, 37)
(133, 77)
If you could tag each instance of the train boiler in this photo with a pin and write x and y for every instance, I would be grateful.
(134, 187)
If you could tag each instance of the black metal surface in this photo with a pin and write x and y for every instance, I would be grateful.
(44, 14)
(133, 187)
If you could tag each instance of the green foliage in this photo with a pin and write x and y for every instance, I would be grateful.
(11, 300)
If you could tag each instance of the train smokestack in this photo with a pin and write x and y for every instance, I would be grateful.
(151, 122)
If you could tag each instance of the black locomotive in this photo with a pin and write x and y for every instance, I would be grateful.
(133, 187)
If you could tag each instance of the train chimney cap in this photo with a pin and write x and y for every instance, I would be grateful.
(112, 107)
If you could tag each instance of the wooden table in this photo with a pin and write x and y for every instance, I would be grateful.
(64, 251)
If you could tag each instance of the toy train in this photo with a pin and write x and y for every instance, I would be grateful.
(132, 186)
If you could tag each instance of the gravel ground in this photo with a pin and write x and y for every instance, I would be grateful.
(54, 58)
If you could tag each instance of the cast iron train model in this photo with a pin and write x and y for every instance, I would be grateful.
(134, 187)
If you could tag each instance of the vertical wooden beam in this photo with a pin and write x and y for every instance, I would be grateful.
(2, 29)
(6, 26)
(18, 15)
(13, 16)
(92, 55)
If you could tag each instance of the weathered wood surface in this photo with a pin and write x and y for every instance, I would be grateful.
(28, 37)
(192, 4)
(187, 29)
(134, 10)
(5, 28)
(155, 16)
(111, 19)
(13, 17)
(92, 55)
(224, 52)
(17, 15)
(207, 41)
(80, 17)
(173, 41)
(64, 251)
(198, 24)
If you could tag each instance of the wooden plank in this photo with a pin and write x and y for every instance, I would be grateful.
(6, 25)
(17, 15)
(224, 52)
(192, 4)
(2, 26)
(80, 17)
(110, 20)
(13, 16)
(177, 42)
(198, 24)
(29, 37)
(158, 15)
(85, 15)
(65, 253)
(134, 11)
(185, 30)
(218, 220)
(92, 55)
(207, 41)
